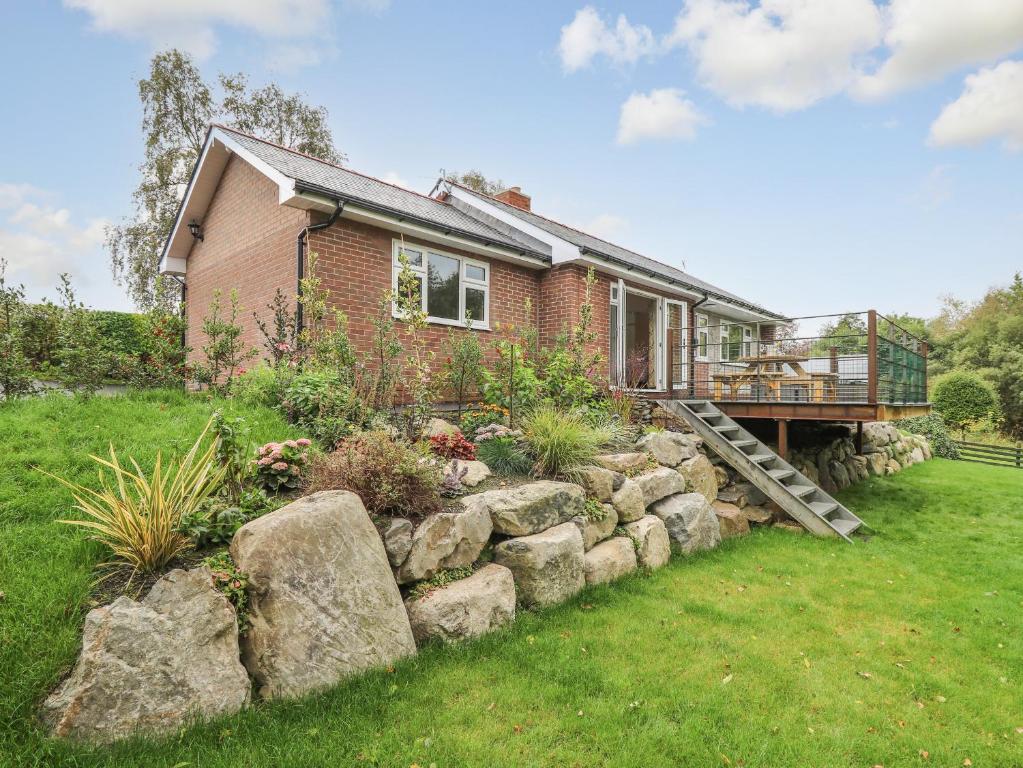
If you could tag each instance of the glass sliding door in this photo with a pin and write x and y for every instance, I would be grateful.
(641, 340)
(677, 316)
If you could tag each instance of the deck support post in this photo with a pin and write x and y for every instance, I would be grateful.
(872, 357)
(783, 439)
(859, 438)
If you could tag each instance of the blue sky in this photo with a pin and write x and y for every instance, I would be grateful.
(812, 156)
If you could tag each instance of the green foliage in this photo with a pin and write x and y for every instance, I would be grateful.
(232, 446)
(224, 351)
(512, 381)
(933, 427)
(280, 335)
(483, 415)
(569, 376)
(323, 404)
(232, 583)
(40, 324)
(594, 511)
(177, 106)
(504, 455)
(964, 398)
(84, 357)
(420, 382)
(463, 366)
(159, 362)
(476, 181)
(217, 520)
(390, 476)
(263, 386)
(440, 579)
(559, 441)
(15, 376)
(848, 334)
(279, 466)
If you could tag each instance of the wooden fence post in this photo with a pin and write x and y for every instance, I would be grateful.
(872, 357)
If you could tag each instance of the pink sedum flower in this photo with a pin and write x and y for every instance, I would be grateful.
(304, 442)
(279, 466)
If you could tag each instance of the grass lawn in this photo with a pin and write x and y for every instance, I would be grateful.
(775, 650)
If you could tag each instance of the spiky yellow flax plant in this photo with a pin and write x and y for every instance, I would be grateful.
(137, 517)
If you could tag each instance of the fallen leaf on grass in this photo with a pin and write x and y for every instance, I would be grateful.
(967, 762)
(491, 705)
(940, 699)
(517, 728)
(727, 679)
(806, 662)
(924, 754)
(865, 675)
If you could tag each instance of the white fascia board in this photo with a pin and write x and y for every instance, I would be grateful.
(216, 151)
(715, 305)
(353, 212)
(561, 250)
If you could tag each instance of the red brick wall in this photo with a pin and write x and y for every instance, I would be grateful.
(355, 264)
(248, 245)
(562, 292)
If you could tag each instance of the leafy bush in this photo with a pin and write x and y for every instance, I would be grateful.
(560, 441)
(84, 358)
(323, 404)
(279, 466)
(453, 446)
(231, 583)
(390, 476)
(504, 456)
(138, 518)
(932, 427)
(262, 386)
(15, 376)
(217, 521)
(482, 415)
(463, 366)
(963, 398)
(512, 383)
(160, 360)
(225, 352)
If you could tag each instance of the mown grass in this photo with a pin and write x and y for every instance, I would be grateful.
(774, 650)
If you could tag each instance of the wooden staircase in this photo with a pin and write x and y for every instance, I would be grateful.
(814, 509)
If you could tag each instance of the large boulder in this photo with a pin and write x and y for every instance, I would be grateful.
(397, 537)
(892, 467)
(650, 536)
(153, 666)
(597, 482)
(595, 530)
(878, 433)
(659, 483)
(839, 474)
(699, 477)
(626, 463)
(669, 449)
(436, 427)
(547, 566)
(466, 608)
(754, 496)
(730, 520)
(530, 508)
(857, 466)
(755, 513)
(475, 471)
(876, 463)
(916, 455)
(733, 494)
(323, 602)
(629, 502)
(610, 560)
(446, 540)
(690, 520)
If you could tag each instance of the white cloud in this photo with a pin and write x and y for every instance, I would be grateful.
(588, 36)
(781, 54)
(930, 38)
(661, 114)
(191, 24)
(990, 107)
(39, 241)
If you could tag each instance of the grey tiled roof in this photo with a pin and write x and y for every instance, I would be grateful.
(616, 253)
(376, 194)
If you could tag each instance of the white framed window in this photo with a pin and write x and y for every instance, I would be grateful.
(449, 285)
(736, 341)
(613, 341)
(747, 341)
(702, 337)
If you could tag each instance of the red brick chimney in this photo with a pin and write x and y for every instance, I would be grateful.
(514, 196)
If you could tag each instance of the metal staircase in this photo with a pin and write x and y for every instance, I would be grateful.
(814, 509)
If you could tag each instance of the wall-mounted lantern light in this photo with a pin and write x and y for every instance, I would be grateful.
(196, 229)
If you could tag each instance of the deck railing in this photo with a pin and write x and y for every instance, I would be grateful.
(854, 357)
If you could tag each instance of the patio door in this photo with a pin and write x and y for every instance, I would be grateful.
(676, 318)
(642, 342)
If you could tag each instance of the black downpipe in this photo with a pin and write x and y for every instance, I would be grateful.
(692, 348)
(300, 261)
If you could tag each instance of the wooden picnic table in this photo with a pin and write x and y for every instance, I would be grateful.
(768, 372)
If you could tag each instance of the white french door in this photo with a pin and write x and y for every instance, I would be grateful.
(676, 319)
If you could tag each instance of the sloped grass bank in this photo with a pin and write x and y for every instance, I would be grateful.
(775, 650)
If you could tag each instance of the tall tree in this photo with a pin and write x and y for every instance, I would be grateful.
(177, 108)
(476, 181)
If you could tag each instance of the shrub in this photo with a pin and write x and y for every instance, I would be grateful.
(138, 518)
(463, 366)
(504, 456)
(225, 353)
(323, 404)
(482, 415)
(560, 441)
(932, 427)
(512, 384)
(15, 376)
(963, 398)
(217, 521)
(390, 476)
(262, 386)
(453, 446)
(84, 358)
(160, 360)
(278, 466)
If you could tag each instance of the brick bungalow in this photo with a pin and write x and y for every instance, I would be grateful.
(253, 211)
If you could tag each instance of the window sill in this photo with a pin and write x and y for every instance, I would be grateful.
(476, 326)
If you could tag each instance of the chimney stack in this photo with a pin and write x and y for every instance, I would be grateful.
(513, 196)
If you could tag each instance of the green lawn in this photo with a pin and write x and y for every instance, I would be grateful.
(774, 650)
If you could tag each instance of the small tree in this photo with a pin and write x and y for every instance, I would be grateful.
(963, 399)
(225, 352)
(280, 337)
(15, 375)
(463, 367)
(420, 383)
(386, 354)
(84, 357)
